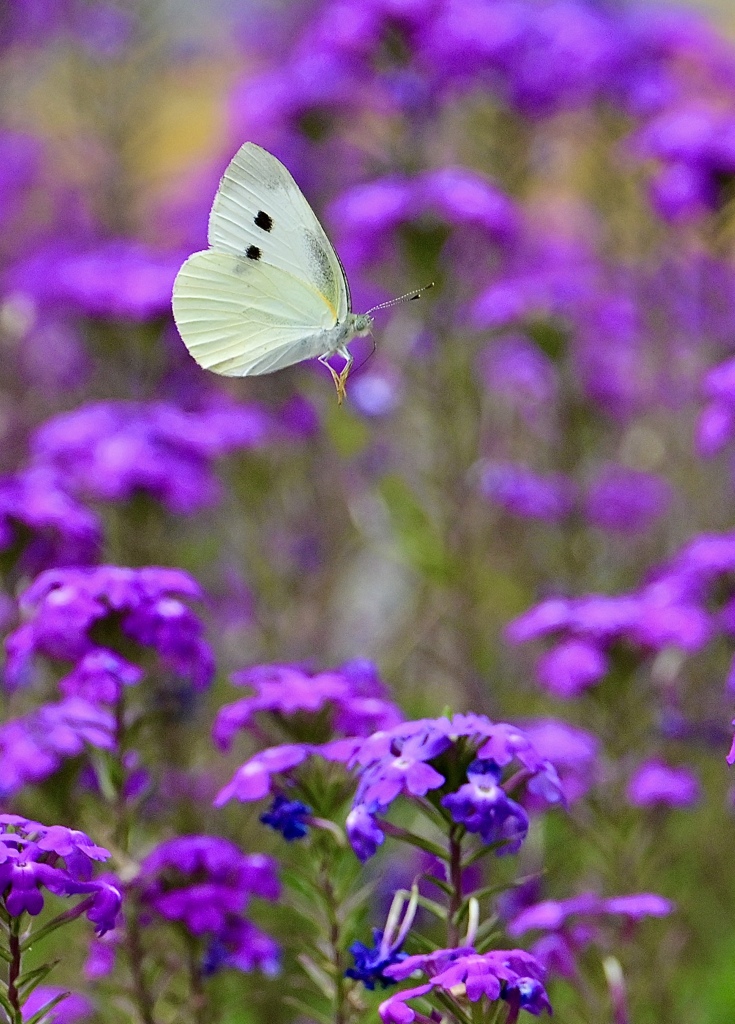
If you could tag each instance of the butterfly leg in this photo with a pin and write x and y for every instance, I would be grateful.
(335, 376)
(341, 380)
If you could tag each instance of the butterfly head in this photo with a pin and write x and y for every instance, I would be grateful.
(362, 324)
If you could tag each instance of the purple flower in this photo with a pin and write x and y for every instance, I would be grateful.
(352, 694)
(73, 1008)
(119, 278)
(407, 760)
(512, 975)
(363, 832)
(571, 667)
(523, 492)
(33, 747)
(113, 450)
(242, 946)
(254, 779)
(62, 607)
(289, 817)
(655, 783)
(100, 676)
(516, 368)
(462, 196)
(34, 857)
(625, 500)
(205, 883)
(572, 751)
(483, 807)
(52, 526)
(552, 915)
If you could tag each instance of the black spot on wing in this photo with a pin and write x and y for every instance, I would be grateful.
(264, 221)
(253, 252)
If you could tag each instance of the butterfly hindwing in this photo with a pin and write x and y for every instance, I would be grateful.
(260, 209)
(240, 316)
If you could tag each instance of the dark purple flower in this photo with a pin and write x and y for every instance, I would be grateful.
(371, 961)
(63, 606)
(483, 807)
(522, 492)
(626, 500)
(242, 946)
(113, 450)
(512, 975)
(35, 856)
(200, 880)
(655, 783)
(289, 817)
(363, 832)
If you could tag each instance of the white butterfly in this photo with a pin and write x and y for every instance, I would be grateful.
(270, 290)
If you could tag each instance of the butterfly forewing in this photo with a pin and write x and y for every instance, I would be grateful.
(240, 316)
(259, 210)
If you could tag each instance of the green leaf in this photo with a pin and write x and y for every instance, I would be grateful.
(419, 539)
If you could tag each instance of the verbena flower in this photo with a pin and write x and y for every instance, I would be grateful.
(289, 817)
(570, 926)
(371, 962)
(349, 700)
(114, 450)
(573, 752)
(407, 760)
(73, 1008)
(657, 784)
(205, 884)
(51, 528)
(522, 492)
(34, 746)
(34, 857)
(511, 975)
(63, 607)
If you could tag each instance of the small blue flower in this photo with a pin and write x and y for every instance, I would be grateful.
(371, 961)
(287, 817)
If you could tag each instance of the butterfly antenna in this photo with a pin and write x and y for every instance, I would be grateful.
(408, 297)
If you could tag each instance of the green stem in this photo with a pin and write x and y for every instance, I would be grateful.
(334, 939)
(455, 880)
(136, 956)
(14, 970)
